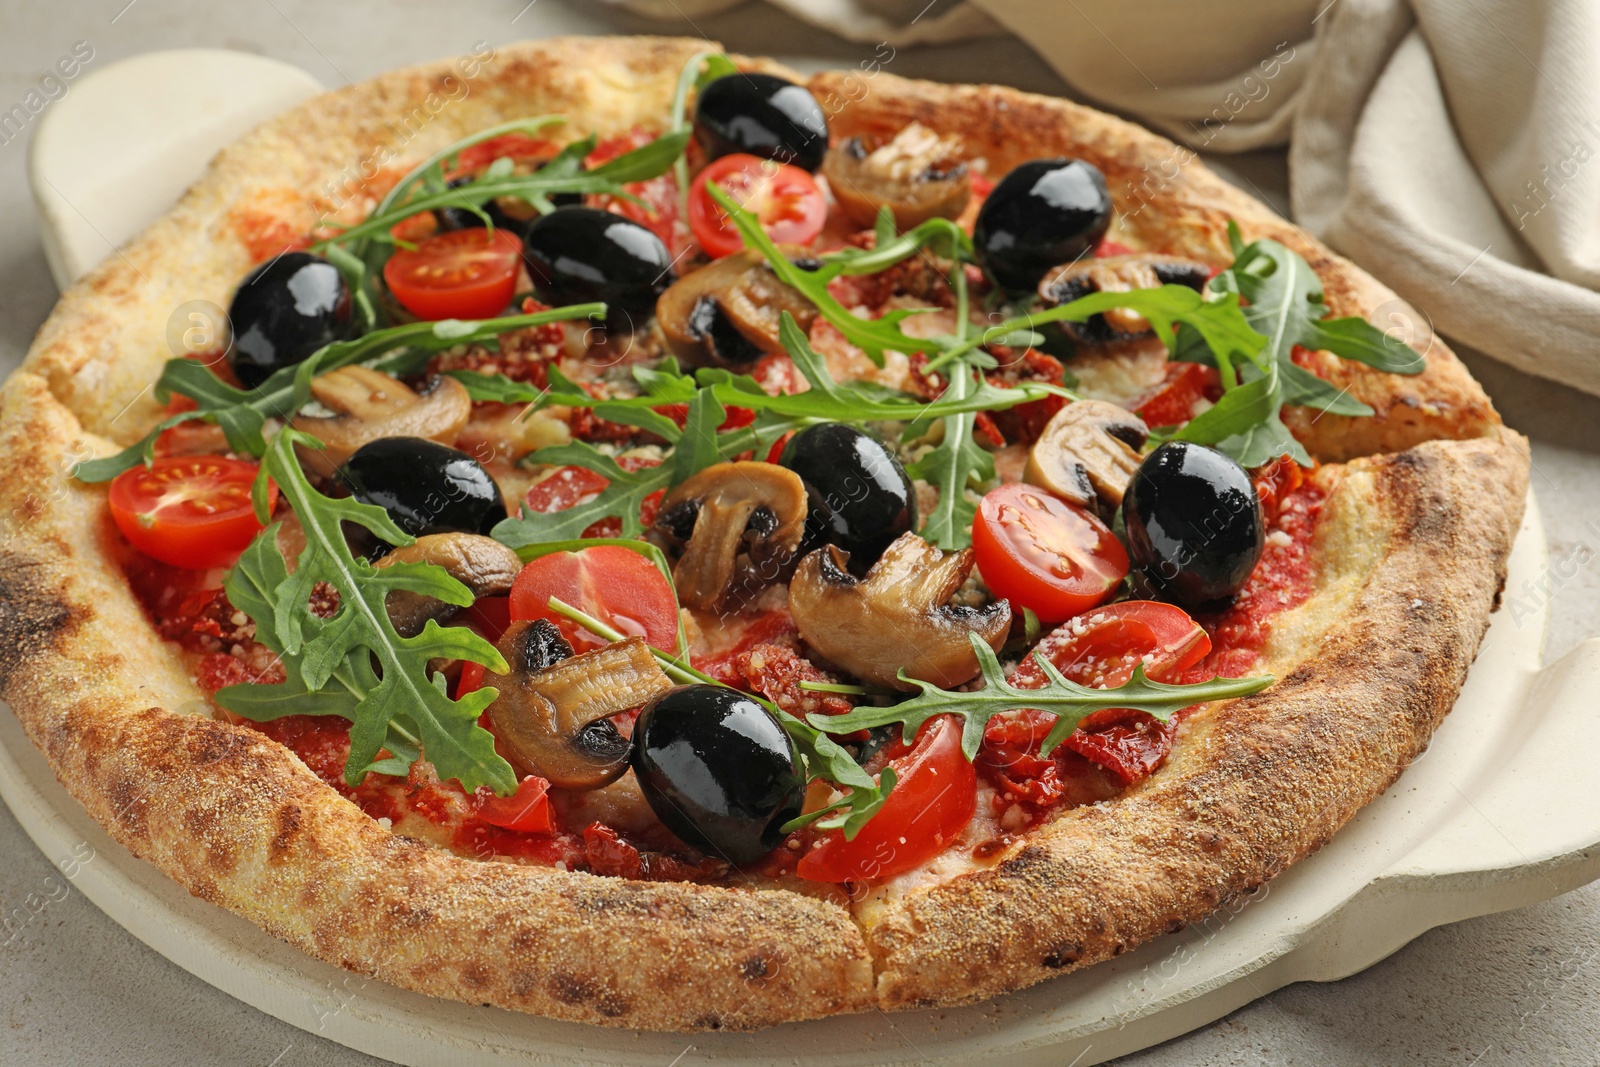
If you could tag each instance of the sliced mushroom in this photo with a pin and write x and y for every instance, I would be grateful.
(552, 714)
(1087, 452)
(480, 563)
(739, 524)
(369, 404)
(898, 616)
(918, 175)
(1116, 274)
(727, 313)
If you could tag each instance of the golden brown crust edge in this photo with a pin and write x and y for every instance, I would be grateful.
(238, 820)
(1413, 550)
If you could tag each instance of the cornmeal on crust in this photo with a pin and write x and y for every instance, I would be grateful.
(1411, 555)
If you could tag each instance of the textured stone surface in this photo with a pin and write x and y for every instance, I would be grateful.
(1517, 988)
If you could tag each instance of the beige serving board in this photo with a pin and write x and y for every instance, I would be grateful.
(1498, 814)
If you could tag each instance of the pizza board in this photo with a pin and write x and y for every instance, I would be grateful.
(1498, 814)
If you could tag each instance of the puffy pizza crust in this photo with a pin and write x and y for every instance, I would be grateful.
(1416, 547)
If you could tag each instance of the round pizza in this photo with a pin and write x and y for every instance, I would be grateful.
(619, 532)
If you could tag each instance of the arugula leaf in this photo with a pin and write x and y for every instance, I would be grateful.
(496, 387)
(385, 676)
(646, 161)
(619, 500)
(1070, 702)
(243, 413)
(698, 447)
(954, 465)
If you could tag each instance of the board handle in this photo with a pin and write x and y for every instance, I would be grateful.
(1537, 820)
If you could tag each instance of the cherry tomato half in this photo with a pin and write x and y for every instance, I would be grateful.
(933, 798)
(463, 274)
(784, 198)
(1040, 552)
(527, 810)
(1100, 648)
(189, 511)
(1103, 645)
(614, 584)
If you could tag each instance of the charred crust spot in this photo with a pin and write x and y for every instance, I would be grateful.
(578, 992)
(290, 819)
(1064, 955)
(758, 968)
(1031, 859)
(32, 613)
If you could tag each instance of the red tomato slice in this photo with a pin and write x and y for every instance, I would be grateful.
(471, 678)
(507, 145)
(784, 198)
(463, 274)
(614, 584)
(1040, 552)
(933, 798)
(526, 810)
(1102, 646)
(1172, 402)
(189, 511)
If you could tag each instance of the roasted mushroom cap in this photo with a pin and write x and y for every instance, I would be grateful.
(918, 175)
(898, 616)
(1116, 274)
(727, 313)
(551, 715)
(480, 563)
(739, 524)
(1087, 452)
(369, 405)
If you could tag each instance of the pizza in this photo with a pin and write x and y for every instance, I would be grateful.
(661, 542)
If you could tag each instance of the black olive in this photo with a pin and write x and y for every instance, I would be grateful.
(1041, 215)
(1194, 523)
(718, 770)
(859, 496)
(579, 254)
(283, 311)
(764, 115)
(424, 486)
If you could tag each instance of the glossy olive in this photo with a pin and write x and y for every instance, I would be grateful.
(1044, 213)
(283, 311)
(859, 496)
(1194, 523)
(763, 115)
(718, 770)
(579, 254)
(425, 487)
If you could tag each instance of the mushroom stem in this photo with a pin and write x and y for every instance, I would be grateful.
(369, 404)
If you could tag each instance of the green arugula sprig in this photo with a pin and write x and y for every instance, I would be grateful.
(354, 663)
(563, 174)
(1070, 702)
(1284, 305)
(243, 413)
(701, 69)
(821, 756)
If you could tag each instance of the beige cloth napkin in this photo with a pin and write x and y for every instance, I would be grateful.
(1451, 147)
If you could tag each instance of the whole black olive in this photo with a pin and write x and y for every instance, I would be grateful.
(283, 311)
(860, 497)
(718, 770)
(579, 254)
(424, 486)
(1044, 213)
(764, 115)
(1194, 523)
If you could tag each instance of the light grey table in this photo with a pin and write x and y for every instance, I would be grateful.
(75, 989)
